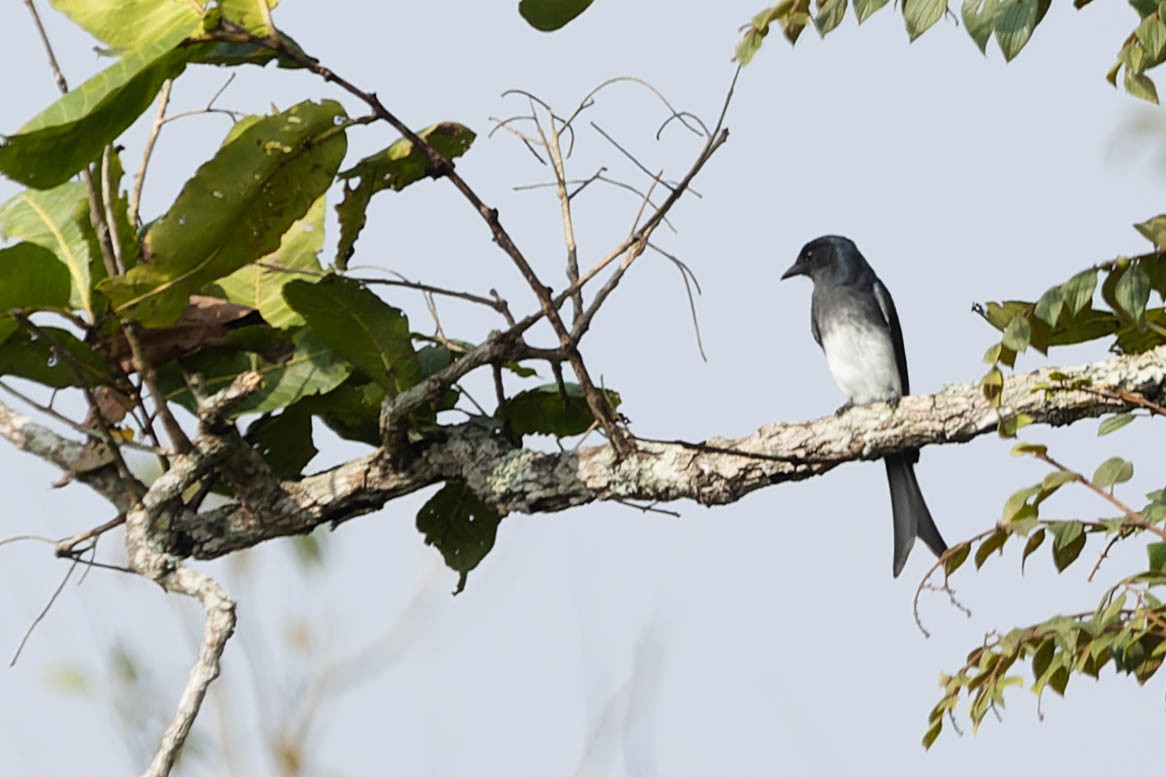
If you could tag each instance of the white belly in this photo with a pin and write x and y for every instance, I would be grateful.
(862, 363)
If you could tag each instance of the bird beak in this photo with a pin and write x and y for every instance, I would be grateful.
(797, 269)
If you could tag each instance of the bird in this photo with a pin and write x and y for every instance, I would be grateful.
(853, 320)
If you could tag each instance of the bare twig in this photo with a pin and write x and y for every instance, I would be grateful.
(62, 84)
(1132, 515)
(556, 154)
(685, 275)
(43, 613)
(148, 151)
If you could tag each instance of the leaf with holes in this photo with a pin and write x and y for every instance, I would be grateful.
(235, 210)
(260, 285)
(545, 410)
(394, 168)
(461, 526)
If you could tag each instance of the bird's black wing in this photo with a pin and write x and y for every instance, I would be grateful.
(887, 307)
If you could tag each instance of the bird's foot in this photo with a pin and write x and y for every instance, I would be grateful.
(844, 408)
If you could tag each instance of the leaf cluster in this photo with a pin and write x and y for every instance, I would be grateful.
(228, 279)
(1010, 22)
(1127, 628)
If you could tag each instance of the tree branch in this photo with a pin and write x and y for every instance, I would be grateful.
(717, 471)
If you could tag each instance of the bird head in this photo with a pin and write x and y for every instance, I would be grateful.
(828, 254)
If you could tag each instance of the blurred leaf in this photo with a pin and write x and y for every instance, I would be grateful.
(1152, 35)
(1014, 25)
(360, 327)
(235, 210)
(992, 385)
(1049, 306)
(1154, 230)
(1157, 556)
(1133, 291)
(1113, 423)
(956, 559)
(461, 526)
(262, 287)
(394, 168)
(53, 218)
(1068, 542)
(550, 15)
(542, 410)
(830, 15)
(1140, 86)
(1078, 290)
(66, 680)
(920, 15)
(994, 542)
(71, 132)
(1113, 471)
(1017, 335)
(980, 20)
(864, 8)
(309, 549)
(1034, 541)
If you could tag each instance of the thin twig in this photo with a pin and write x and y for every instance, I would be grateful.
(62, 84)
(66, 546)
(43, 614)
(556, 154)
(81, 428)
(148, 151)
(1132, 515)
(655, 176)
(685, 275)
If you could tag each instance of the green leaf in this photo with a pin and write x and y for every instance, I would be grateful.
(53, 218)
(1157, 556)
(864, 8)
(542, 410)
(262, 287)
(1133, 291)
(1113, 423)
(980, 20)
(394, 168)
(246, 14)
(1154, 230)
(992, 385)
(550, 15)
(1152, 35)
(461, 526)
(1049, 306)
(360, 327)
(956, 559)
(1078, 290)
(920, 15)
(131, 24)
(994, 542)
(932, 733)
(1034, 541)
(284, 441)
(1014, 26)
(31, 278)
(1018, 334)
(235, 210)
(830, 15)
(1140, 86)
(352, 410)
(71, 132)
(1028, 449)
(291, 369)
(1042, 659)
(56, 359)
(1113, 471)
(1016, 502)
(1068, 542)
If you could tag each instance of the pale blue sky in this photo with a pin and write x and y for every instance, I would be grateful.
(766, 637)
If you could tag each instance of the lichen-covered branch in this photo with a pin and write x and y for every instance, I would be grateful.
(716, 471)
